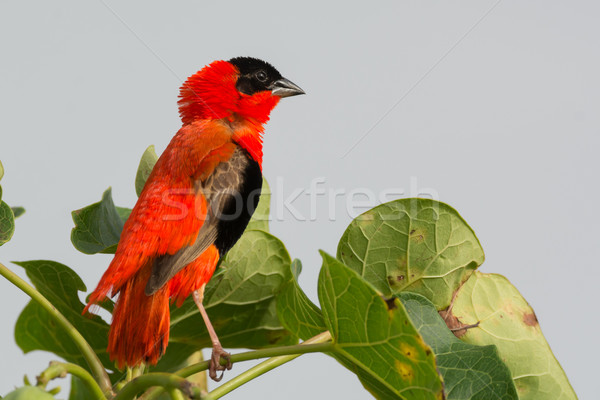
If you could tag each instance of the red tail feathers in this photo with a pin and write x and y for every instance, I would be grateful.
(140, 327)
(139, 332)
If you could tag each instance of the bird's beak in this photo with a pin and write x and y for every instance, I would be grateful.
(285, 88)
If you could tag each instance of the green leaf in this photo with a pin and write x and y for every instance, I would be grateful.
(240, 299)
(416, 245)
(260, 218)
(506, 320)
(79, 390)
(376, 336)
(123, 213)
(7, 223)
(469, 371)
(296, 268)
(296, 312)
(18, 211)
(36, 330)
(176, 357)
(98, 226)
(147, 162)
(1, 170)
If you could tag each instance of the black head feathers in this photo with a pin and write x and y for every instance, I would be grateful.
(255, 75)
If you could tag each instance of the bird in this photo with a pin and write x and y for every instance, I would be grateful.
(195, 205)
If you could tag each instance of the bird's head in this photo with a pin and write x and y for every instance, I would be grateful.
(243, 87)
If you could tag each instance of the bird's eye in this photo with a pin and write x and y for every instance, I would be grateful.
(261, 76)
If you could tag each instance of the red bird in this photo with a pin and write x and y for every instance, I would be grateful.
(195, 205)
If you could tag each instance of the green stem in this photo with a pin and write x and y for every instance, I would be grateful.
(297, 349)
(176, 394)
(88, 353)
(60, 370)
(56, 390)
(265, 366)
(166, 380)
(319, 343)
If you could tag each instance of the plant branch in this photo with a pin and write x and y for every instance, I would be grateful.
(163, 379)
(176, 394)
(318, 344)
(267, 365)
(88, 353)
(297, 349)
(60, 370)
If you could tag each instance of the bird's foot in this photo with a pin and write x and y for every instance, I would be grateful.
(215, 362)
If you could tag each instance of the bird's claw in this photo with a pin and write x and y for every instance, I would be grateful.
(215, 363)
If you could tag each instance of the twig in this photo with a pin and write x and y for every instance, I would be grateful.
(60, 370)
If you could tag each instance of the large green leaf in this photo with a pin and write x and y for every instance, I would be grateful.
(416, 245)
(36, 329)
(98, 226)
(469, 371)
(260, 218)
(296, 312)
(7, 223)
(147, 162)
(240, 298)
(507, 321)
(377, 337)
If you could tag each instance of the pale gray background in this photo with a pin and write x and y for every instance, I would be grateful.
(491, 104)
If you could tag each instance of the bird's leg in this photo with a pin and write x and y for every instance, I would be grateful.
(217, 349)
